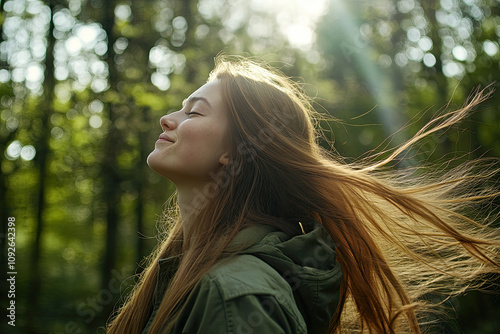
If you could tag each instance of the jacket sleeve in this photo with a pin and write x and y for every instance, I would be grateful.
(207, 310)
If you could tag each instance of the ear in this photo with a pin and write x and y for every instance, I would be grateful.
(224, 159)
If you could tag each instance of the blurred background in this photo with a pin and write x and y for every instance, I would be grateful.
(83, 84)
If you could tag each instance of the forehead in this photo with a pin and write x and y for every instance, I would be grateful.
(209, 92)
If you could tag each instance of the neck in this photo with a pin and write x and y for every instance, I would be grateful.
(191, 199)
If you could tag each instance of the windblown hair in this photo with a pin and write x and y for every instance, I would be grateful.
(404, 239)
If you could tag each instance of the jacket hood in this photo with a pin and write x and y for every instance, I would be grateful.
(307, 262)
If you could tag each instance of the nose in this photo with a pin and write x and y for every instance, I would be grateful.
(167, 122)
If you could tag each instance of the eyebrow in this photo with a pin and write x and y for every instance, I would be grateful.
(193, 99)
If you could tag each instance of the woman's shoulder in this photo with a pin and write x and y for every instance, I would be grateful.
(241, 294)
(246, 274)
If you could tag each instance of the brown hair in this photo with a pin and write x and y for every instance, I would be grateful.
(400, 237)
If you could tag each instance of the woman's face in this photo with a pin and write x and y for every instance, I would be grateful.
(193, 141)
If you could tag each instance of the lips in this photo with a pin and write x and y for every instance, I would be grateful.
(163, 137)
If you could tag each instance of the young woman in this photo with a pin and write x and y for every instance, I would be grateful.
(275, 235)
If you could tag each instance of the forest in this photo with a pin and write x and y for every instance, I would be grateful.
(83, 84)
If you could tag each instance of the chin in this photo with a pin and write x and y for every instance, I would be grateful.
(150, 159)
(153, 163)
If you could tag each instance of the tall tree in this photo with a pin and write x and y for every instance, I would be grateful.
(110, 173)
(42, 158)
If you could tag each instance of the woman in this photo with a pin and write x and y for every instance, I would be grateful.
(274, 235)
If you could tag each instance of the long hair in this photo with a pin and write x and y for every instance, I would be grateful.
(402, 237)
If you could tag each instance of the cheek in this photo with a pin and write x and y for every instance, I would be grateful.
(201, 143)
(192, 134)
(206, 133)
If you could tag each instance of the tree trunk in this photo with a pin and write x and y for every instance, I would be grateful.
(109, 172)
(430, 8)
(188, 11)
(145, 148)
(41, 161)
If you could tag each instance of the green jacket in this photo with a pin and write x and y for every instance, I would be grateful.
(277, 285)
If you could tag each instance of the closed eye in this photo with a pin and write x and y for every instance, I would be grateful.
(190, 113)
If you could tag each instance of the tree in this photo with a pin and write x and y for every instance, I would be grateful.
(42, 158)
